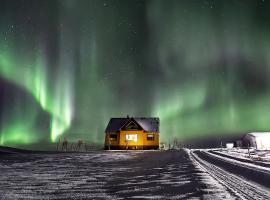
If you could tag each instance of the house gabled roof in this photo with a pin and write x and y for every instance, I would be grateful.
(150, 124)
(131, 124)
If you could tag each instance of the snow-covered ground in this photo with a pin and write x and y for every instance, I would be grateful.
(108, 175)
(245, 180)
(184, 174)
(58, 176)
(254, 155)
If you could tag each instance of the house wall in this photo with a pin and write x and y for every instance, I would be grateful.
(111, 142)
(258, 142)
(263, 143)
(141, 143)
(124, 143)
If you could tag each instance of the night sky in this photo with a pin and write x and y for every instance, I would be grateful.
(67, 67)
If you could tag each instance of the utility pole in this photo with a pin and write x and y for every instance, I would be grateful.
(248, 151)
(221, 145)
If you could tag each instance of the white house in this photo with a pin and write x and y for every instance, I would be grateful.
(258, 140)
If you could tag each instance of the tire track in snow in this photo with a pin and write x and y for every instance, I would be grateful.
(237, 185)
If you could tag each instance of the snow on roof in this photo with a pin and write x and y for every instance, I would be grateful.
(260, 134)
(150, 124)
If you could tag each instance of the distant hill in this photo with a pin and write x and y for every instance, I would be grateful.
(12, 150)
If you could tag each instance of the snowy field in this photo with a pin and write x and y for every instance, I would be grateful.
(108, 175)
(254, 155)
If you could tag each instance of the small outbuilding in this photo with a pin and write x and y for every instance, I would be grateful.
(132, 133)
(258, 140)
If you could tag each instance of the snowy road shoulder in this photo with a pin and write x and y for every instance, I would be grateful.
(241, 163)
(238, 185)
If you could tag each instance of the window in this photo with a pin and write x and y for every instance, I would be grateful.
(150, 136)
(131, 137)
(113, 137)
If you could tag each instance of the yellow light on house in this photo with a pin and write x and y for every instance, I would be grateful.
(131, 137)
(132, 133)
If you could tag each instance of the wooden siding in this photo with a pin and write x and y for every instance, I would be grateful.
(141, 143)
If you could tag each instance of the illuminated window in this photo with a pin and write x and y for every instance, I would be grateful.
(150, 137)
(131, 137)
(113, 137)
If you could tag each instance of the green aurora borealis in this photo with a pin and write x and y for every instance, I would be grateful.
(203, 67)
